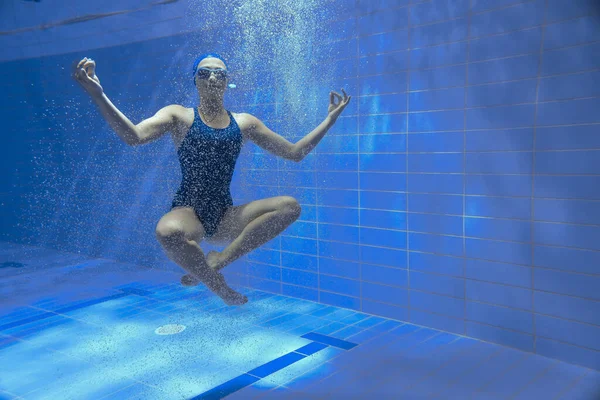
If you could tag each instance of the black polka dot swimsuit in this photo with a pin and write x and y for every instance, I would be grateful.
(208, 157)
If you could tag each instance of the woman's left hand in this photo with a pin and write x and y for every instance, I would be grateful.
(336, 109)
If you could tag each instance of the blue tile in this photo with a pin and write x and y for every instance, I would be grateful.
(505, 252)
(568, 112)
(435, 183)
(297, 277)
(565, 331)
(328, 340)
(449, 162)
(344, 286)
(499, 163)
(518, 340)
(385, 294)
(369, 6)
(383, 219)
(505, 93)
(339, 300)
(387, 63)
(384, 275)
(567, 187)
(571, 162)
(571, 59)
(304, 262)
(470, 372)
(568, 307)
(446, 323)
(503, 295)
(514, 380)
(425, 364)
(437, 10)
(436, 263)
(509, 318)
(497, 272)
(504, 69)
(435, 203)
(571, 32)
(384, 42)
(567, 138)
(440, 99)
(436, 121)
(438, 284)
(499, 185)
(382, 143)
(558, 9)
(343, 233)
(436, 142)
(499, 207)
(574, 260)
(454, 75)
(579, 212)
(500, 229)
(584, 84)
(430, 243)
(346, 269)
(370, 85)
(382, 123)
(438, 56)
(572, 354)
(553, 381)
(338, 179)
(514, 116)
(382, 181)
(500, 140)
(505, 45)
(383, 162)
(444, 305)
(566, 235)
(385, 310)
(349, 251)
(383, 200)
(440, 224)
(442, 32)
(519, 16)
(382, 21)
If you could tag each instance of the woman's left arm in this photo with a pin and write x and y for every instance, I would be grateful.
(278, 145)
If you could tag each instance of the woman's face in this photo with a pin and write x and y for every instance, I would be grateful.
(213, 85)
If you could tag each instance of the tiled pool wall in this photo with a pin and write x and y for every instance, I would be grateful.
(457, 191)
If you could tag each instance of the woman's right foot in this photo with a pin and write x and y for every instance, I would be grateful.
(191, 280)
(218, 287)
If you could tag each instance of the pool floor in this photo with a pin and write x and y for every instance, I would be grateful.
(78, 328)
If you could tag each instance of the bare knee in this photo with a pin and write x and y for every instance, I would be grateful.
(290, 206)
(169, 232)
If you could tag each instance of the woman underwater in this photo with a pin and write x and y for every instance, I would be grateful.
(208, 139)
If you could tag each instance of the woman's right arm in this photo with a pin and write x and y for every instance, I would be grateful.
(146, 131)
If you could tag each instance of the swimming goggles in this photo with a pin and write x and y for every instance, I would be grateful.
(204, 73)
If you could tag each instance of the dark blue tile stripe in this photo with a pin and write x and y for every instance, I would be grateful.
(311, 348)
(267, 369)
(228, 388)
(277, 364)
(317, 337)
(90, 303)
(44, 315)
(26, 320)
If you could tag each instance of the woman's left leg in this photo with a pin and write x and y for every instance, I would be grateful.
(251, 225)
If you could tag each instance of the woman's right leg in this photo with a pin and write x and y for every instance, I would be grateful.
(178, 232)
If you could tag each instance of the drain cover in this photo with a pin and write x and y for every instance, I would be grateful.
(169, 329)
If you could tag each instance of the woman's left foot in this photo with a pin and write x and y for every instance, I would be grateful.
(212, 260)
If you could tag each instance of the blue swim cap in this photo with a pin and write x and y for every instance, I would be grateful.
(202, 57)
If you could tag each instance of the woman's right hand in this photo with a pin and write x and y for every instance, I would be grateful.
(85, 74)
